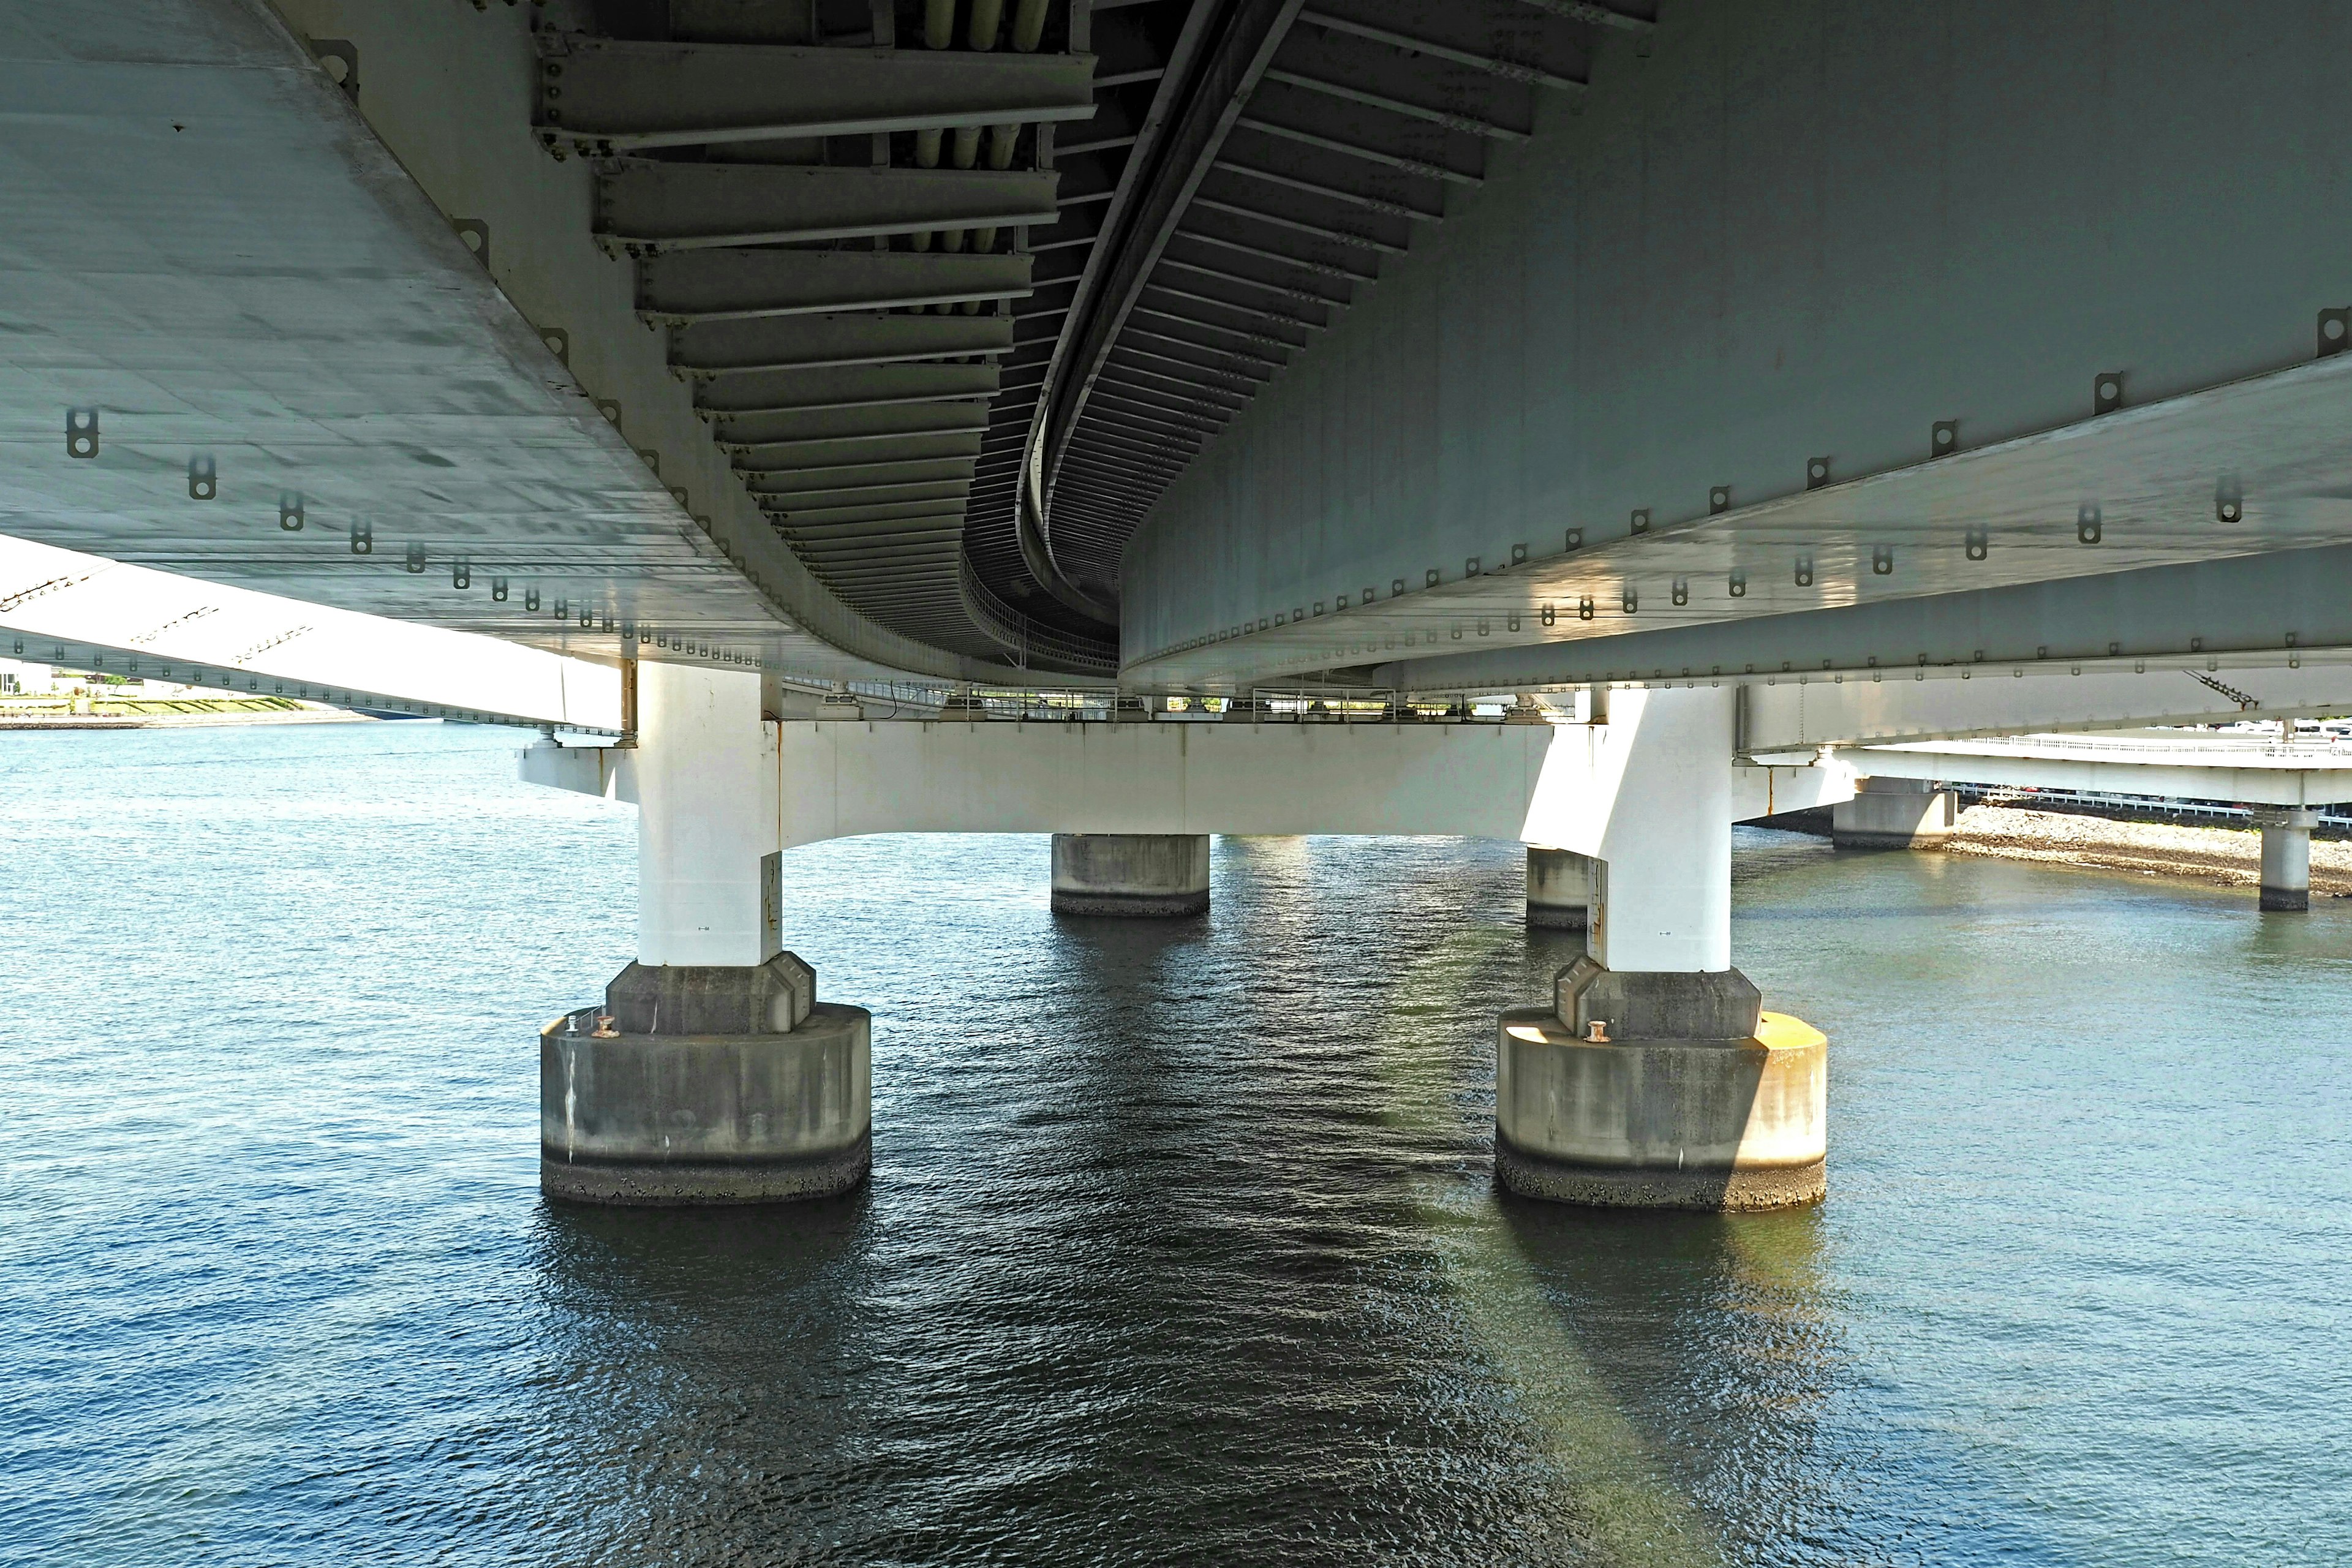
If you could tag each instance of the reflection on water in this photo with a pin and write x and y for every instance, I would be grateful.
(1182, 1242)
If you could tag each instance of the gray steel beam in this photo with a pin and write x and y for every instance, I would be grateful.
(849, 386)
(1221, 397)
(649, 205)
(851, 495)
(1413, 146)
(795, 424)
(1149, 401)
(1174, 368)
(1198, 233)
(1324, 241)
(1113, 474)
(1413, 44)
(1163, 324)
(1128, 410)
(1589, 13)
(875, 520)
(1339, 88)
(1419, 87)
(613, 94)
(925, 578)
(1126, 439)
(1334, 293)
(720, 349)
(770, 459)
(1195, 299)
(843, 476)
(681, 286)
(1327, 190)
(1123, 468)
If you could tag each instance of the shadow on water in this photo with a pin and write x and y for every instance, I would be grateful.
(692, 1372)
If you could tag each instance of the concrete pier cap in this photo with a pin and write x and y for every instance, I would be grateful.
(1130, 874)
(1660, 1090)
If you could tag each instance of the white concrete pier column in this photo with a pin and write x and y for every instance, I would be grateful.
(2286, 857)
(710, 1074)
(1653, 1078)
(1662, 891)
(1894, 814)
(1560, 889)
(705, 818)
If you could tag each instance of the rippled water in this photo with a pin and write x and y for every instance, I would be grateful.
(1182, 1241)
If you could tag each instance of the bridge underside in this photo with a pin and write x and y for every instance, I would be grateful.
(1488, 344)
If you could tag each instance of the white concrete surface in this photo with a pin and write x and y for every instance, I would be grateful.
(131, 620)
(2180, 764)
(1534, 782)
(707, 818)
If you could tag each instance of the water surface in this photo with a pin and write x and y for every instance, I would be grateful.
(1182, 1241)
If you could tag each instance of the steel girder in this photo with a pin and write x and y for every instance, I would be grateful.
(612, 94)
(650, 205)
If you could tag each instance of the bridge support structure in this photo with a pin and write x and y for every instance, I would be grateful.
(1130, 874)
(1560, 889)
(1894, 814)
(1653, 1078)
(711, 1074)
(2286, 857)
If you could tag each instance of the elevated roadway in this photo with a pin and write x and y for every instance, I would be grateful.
(1776, 377)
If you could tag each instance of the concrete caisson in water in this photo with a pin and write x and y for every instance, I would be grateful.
(705, 1084)
(1151, 874)
(1692, 1097)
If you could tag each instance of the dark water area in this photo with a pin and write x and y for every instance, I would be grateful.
(1182, 1242)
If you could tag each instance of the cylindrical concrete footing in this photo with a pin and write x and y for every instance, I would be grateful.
(1560, 889)
(1130, 873)
(1709, 1120)
(1894, 814)
(2286, 858)
(761, 1116)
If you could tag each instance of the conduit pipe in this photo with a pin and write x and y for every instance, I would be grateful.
(939, 32)
(1028, 25)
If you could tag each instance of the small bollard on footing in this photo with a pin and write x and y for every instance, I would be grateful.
(1660, 1090)
(2286, 857)
(705, 1084)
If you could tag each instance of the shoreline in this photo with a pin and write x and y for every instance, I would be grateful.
(2220, 857)
(22, 721)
